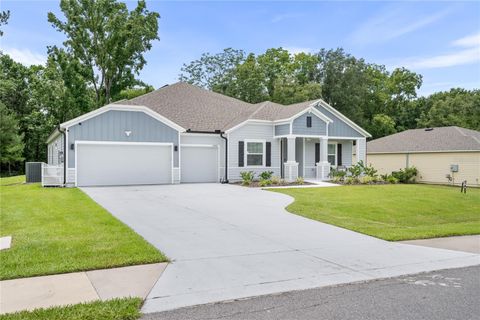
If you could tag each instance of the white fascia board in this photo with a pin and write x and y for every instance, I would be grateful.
(352, 124)
(248, 121)
(310, 109)
(53, 135)
(120, 107)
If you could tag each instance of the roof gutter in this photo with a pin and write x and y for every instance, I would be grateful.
(64, 154)
(221, 133)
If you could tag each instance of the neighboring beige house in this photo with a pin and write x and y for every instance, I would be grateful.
(445, 155)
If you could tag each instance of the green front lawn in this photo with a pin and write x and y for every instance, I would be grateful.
(59, 230)
(117, 309)
(392, 212)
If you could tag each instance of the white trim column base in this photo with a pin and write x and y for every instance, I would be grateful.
(323, 170)
(291, 171)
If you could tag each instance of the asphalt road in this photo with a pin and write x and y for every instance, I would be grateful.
(445, 294)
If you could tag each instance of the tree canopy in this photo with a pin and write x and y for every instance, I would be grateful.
(108, 41)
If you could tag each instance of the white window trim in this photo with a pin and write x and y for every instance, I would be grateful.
(335, 155)
(245, 154)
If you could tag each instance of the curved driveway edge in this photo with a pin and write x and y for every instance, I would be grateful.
(228, 242)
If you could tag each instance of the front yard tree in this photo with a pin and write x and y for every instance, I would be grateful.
(108, 40)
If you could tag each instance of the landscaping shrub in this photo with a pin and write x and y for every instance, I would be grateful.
(370, 171)
(366, 180)
(337, 179)
(338, 175)
(247, 177)
(275, 180)
(391, 179)
(406, 175)
(356, 170)
(264, 183)
(266, 175)
(349, 180)
(300, 180)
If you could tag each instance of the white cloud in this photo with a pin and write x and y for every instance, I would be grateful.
(468, 54)
(25, 56)
(468, 41)
(392, 24)
(295, 50)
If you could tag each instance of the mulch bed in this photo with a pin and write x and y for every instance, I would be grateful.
(255, 184)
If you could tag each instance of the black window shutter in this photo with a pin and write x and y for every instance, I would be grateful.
(339, 154)
(309, 122)
(240, 153)
(268, 161)
(317, 152)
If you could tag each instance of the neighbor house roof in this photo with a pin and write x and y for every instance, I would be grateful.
(201, 110)
(427, 140)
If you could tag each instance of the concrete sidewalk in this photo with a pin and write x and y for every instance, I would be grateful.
(78, 287)
(459, 243)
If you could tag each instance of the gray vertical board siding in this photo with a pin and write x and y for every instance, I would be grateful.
(319, 127)
(362, 149)
(299, 155)
(282, 129)
(347, 147)
(33, 172)
(252, 131)
(338, 128)
(56, 147)
(111, 126)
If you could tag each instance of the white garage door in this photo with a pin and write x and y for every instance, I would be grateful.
(199, 163)
(123, 164)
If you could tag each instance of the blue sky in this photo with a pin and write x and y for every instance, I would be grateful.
(440, 40)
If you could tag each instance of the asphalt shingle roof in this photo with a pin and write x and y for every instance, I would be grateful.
(427, 140)
(201, 110)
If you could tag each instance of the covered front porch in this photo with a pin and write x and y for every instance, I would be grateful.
(312, 157)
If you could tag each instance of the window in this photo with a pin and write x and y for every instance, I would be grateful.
(309, 122)
(255, 153)
(332, 154)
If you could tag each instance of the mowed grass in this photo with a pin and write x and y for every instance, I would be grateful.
(117, 309)
(59, 230)
(392, 212)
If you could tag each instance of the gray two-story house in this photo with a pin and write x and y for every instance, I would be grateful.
(183, 134)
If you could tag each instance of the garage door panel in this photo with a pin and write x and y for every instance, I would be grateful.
(199, 164)
(123, 164)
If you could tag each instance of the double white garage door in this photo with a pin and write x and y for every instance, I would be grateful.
(110, 164)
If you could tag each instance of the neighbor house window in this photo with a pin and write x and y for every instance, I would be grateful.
(309, 122)
(255, 153)
(332, 154)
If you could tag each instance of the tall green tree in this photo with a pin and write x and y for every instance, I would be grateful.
(381, 125)
(213, 71)
(11, 142)
(108, 40)
(4, 16)
(457, 107)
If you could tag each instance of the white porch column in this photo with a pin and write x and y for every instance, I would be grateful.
(291, 166)
(323, 167)
(361, 151)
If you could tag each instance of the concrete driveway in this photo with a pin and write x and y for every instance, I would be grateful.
(228, 242)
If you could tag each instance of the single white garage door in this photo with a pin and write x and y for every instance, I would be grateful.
(199, 163)
(109, 164)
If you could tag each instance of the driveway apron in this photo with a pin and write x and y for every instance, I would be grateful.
(229, 242)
